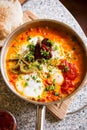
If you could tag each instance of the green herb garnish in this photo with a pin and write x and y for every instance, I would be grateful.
(39, 97)
(56, 47)
(44, 53)
(20, 77)
(29, 57)
(50, 70)
(28, 79)
(34, 77)
(26, 84)
(18, 55)
(39, 66)
(44, 60)
(56, 93)
(31, 47)
(50, 88)
(38, 81)
(49, 42)
(28, 38)
(69, 55)
(65, 69)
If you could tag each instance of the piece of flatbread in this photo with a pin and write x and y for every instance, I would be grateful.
(11, 16)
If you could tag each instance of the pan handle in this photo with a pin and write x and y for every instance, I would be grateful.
(40, 117)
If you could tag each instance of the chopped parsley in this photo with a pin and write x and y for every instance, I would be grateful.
(31, 47)
(29, 57)
(49, 42)
(38, 81)
(20, 77)
(18, 55)
(26, 84)
(56, 93)
(39, 66)
(28, 38)
(44, 53)
(68, 55)
(28, 79)
(50, 88)
(34, 77)
(44, 60)
(30, 66)
(39, 97)
(56, 47)
(65, 69)
(50, 70)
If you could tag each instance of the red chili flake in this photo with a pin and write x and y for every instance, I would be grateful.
(39, 30)
(14, 76)
(49, 97)
(48, 81)
(13, 45)
(53, 92)
(31, 29)
(26, 32)
(22, 38)
(11, 81)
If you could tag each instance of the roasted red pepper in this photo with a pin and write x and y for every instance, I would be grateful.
(69, 70)
(70, 73)
(67, 86)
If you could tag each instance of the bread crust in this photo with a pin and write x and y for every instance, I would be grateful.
(11, 16)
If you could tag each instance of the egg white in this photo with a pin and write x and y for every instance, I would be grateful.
(33, 89)
(33, 40)
(57, 75)
(57, 53)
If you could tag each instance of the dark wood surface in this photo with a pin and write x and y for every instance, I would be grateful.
(78, 9)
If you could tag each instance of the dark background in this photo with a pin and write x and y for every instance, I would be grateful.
(78, 9)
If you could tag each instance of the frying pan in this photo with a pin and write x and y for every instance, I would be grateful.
(41, 106)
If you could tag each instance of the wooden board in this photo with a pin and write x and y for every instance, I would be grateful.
(22, 1)
(58, 110)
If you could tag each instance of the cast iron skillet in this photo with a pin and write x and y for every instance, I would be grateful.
(42, 23)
